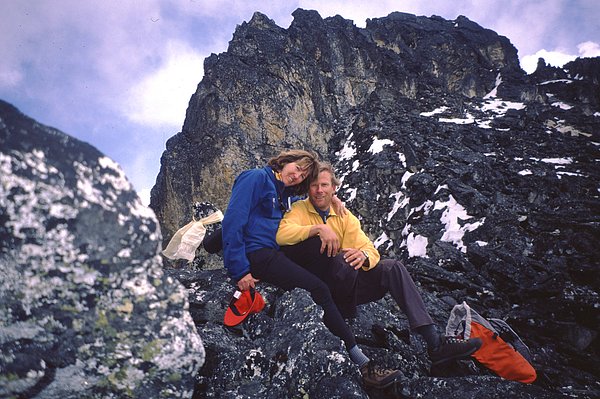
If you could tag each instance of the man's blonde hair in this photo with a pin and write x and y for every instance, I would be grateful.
(326, 167)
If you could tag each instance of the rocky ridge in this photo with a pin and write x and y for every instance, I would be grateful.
(276, 88)
(481, 178)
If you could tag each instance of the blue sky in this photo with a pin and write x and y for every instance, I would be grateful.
(118, 74)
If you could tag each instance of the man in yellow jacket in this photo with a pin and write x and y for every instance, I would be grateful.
(335, 248)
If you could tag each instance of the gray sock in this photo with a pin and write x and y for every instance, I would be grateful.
(358, 356)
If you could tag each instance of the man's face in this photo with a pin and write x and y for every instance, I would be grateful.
(321, 191)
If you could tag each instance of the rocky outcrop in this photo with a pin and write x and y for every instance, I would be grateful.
(482, 179)
(285, 351)
(285, 88)
(85, 308)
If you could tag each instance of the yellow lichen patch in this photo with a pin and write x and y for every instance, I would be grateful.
(126, 307)
(390, 46)
(102, 320)
(152, 349)
(566, 129)
(572, 131)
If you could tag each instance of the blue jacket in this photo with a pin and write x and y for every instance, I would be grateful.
(252, 218)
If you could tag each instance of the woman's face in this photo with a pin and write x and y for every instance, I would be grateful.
(292, 174)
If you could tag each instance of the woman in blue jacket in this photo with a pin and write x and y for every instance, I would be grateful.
(258, 200)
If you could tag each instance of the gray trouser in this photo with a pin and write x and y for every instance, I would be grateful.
(391, 276)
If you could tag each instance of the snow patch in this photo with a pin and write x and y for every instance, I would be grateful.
(348, 151)
(397, 204)
(425, 206)
(454, 232)
(567, 81)
(441, 187)
(459, 121)
(352, 194)
(434, 112)
(381, 240)
(378, 144)
(402, 158)
(555, 161)
(407, 175)
(416, 245)
(115, 177)
(560, 174)
(562, 105)
(495, 89)
(499, 106)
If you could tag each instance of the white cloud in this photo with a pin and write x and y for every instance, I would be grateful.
(10, 76)
(554, 58)
(162, 96)
(559, 58)
(589, 49)
(144, 195)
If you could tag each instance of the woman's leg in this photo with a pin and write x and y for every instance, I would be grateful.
(274, 267)
(339, 276)
(307, 254)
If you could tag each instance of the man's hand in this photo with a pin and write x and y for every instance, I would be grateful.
(247, 282)
(329, 240)
(354, 257)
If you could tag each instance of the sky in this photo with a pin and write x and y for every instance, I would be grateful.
(119, 74)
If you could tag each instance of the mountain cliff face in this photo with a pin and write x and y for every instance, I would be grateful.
(276, 88)
(482, 179)
(86, 310)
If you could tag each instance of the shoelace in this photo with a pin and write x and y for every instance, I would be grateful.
(455, 340)
(374, 369)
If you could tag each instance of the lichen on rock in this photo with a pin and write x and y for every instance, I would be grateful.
(85, 309)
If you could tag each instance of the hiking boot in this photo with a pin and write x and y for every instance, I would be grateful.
(454, 348)
(378, 377)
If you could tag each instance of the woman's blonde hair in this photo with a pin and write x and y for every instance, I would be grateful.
(306, 160)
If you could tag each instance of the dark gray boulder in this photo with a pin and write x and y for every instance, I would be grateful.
(85, 308)
(286, 351)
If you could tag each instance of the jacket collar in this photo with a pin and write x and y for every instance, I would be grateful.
(278, 183)
(312, 209)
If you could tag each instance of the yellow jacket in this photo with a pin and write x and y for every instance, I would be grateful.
(295, 228)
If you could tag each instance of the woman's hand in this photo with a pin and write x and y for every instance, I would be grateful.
(247, 282)
(338, 206)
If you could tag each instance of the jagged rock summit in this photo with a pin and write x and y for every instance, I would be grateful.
(481, 178)
(85, 308)
(276, 88)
